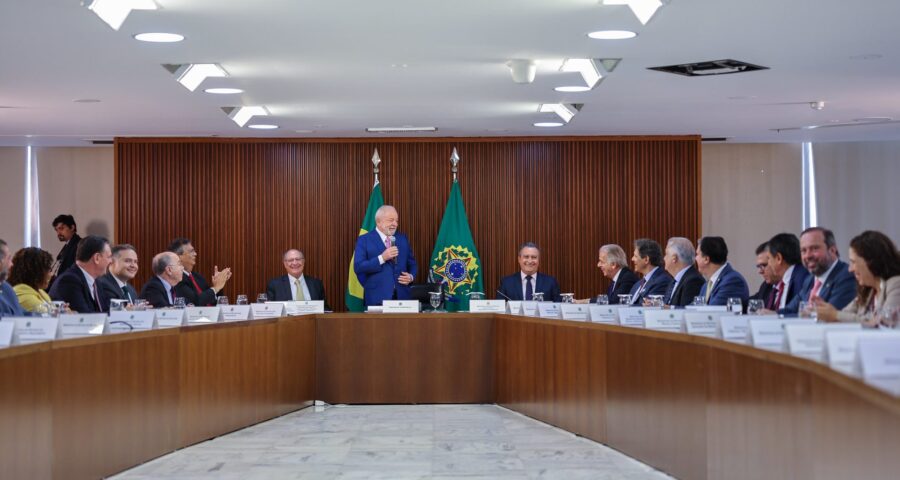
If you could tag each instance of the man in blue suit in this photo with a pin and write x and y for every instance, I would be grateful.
(9, 301)
(78, 285)
(384, 261)
(647, 259)
(830, 281)
(523, 285)
(722, 281)
(785, 272)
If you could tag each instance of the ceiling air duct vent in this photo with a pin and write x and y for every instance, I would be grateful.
(714, 67)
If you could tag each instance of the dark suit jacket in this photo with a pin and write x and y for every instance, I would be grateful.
(623, 285)
(511, 286)
(66, 256)
(279, 289)
(156, 294)
(688, 287)
(71, 287)
(186, 289)
(794, 289)
(729, 284)
(109, 288)
(380, 280)
(839, 289)
(658, 284)
(763, 293)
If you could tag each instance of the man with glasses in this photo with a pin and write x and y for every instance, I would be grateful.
(193, 287)
(294, 285)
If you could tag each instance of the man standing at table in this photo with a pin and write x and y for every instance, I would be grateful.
(523, 285)
(384, 261)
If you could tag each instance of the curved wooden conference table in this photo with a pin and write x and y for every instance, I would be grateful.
(694, 407)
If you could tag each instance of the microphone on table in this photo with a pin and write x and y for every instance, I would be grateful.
(504, 296)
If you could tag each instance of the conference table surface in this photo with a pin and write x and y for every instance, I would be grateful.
(694, 407)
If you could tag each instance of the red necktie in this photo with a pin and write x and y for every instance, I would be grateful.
(96, 297)
(815, 290)
(196, 286)
(777, 304)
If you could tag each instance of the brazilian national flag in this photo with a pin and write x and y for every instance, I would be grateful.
(455, 259)
(353, 297)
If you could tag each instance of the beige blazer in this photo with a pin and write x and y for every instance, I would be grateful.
(888, 297)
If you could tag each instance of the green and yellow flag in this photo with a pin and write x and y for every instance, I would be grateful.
(353, 297)
(455, 259)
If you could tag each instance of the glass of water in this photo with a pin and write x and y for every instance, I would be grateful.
(242, 300)
(476, 295)
(656, 300)
(567, 297)
(807, 310)
(538, 296)
(262, 298)
(117, 305)
(602, 300)
(434, 298)
(734, 305)
(754, 306)
(699, 300)
(222, 300)
(179, 302)
(625, 299)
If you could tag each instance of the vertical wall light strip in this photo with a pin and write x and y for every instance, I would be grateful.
(810, 208)
(32, 202)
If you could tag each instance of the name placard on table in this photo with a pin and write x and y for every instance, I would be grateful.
(235, 313)
(767, 331)
(632, 316)
(841, 347)
(6, 333)
(605, 314)
(669, 320)
(514, 307)
(734, 328)
(530, 308)
(304, 307)
(576, 312)
(808, 341)
(487, 306)
(548, 309)
(707, 308)
(170, 317)
(262, 311)
(400, 306)
(200, 315)
(879, 361)
(125, 321)
(33, 329)
(704, 324)
(74, 325)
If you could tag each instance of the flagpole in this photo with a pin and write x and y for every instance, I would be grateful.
(375, 161)
(454, 160)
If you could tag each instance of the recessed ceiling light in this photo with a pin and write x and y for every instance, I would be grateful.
(304, 131)
(192, 75)
(224, 91)
(642, 9)
(242, 115)
(87, 100)
(262, 126)
(549, 124)
(114, 12)
(572, 89)
(159, 37)
(405, 129)
(612, 35)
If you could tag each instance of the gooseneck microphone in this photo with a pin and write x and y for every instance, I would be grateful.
(504, 296)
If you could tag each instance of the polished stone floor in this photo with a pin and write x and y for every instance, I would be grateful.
(397, 442)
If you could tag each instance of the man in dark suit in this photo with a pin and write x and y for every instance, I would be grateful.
(9, 301)
(77, 286)
(114, 284)
(679, 261)
(829, 280)
(295, 285)
(722, 281)
(383, 260)
(762, 261)
(787, 275)
(647, 259)
(193, 287)
(66, 231)
(523, 285)
(160, 290)
(613, 263)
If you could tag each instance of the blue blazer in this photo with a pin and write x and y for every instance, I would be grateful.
(729, 284)
(795, 289)
(839, 288)
(9, 302)
(511, 286)
(380, 280)
(658, 285)
(72, 288)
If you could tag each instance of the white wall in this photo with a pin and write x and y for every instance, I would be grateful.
(12, 196)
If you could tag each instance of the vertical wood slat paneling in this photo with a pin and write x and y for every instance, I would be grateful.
(243, 202)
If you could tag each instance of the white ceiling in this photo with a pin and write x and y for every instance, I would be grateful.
(326, 66)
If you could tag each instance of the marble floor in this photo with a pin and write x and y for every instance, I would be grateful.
(397, 442)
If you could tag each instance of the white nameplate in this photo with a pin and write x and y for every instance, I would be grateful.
(262, 311)
(605, 314)
(487, 306)
(170, 317)
(669, 320)
(879, 360)
(840, 345)
(707, 308)
(400, 306)
(631, 316)
(808, 341)
(548, 309)
(74, 325)
(576, 311)
(304, 307)
(235, 313)
(704, 324)
(200, 315)
(530, 308)
(34, 330)
(514, 307)
(734, 328)
(6, 333)
(124, 321)
(767, 331)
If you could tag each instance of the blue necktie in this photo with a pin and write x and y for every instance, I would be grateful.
(529, 292)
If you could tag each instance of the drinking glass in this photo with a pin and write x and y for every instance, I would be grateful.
(699, 300)
(476, 295)
(754, 306)
(222, 300)
(58, 307)
(567, 297)
(434, 298)
(602, 300)
(179, 302)
(262, 298)
(117, 305)
(538, 296)
(734, 305)
(242, 300)
(625, 299)
(807, 310)
(890, 317)
(656, 300)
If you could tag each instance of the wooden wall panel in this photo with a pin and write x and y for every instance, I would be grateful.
(26, 412)
(244, 202)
